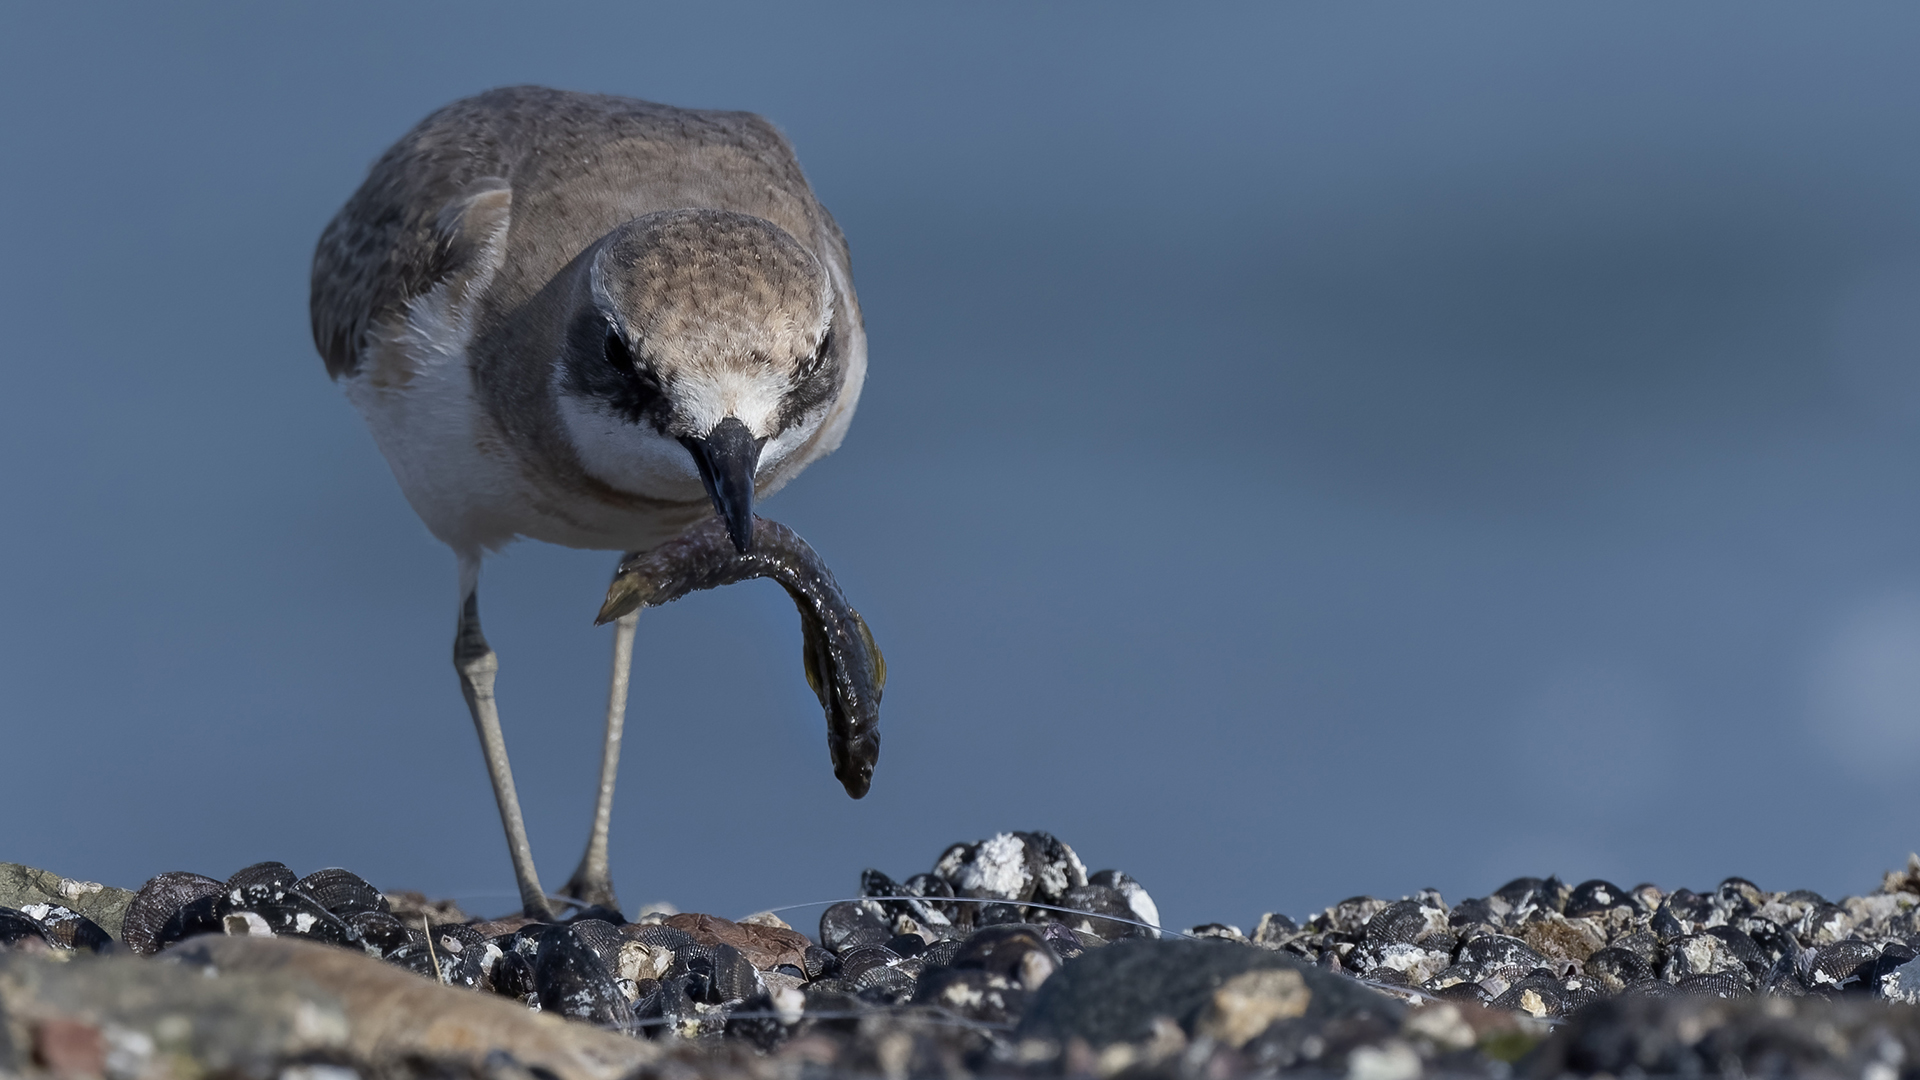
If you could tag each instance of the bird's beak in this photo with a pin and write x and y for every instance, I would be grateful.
(726, 458)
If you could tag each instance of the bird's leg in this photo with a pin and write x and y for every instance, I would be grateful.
(477, 665)
(591, 883)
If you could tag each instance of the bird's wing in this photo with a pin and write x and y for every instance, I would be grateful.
(566, 168)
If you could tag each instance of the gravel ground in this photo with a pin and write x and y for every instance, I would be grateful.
(1006, 957)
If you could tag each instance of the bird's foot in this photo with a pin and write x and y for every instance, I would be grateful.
(591, 889)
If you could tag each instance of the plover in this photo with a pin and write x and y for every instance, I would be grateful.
(592, 321)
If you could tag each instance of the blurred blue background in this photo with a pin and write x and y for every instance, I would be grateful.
(1309, 450)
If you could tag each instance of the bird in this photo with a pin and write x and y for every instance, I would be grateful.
(591, 321)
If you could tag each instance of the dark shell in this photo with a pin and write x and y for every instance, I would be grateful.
(202, 916)
(1522, 891)
(1595, 897)
(571, 981)
(271, 874)
(1840, 964)
(851, 925)
(875, 884)
(512, 973)
(599, 912)
(1497, 954)
(858, 961)
(1689, 905)
(1056, 868)
(1616, 968)
(820, 964)
(342, 892)
(1397, 924)
(1100, 900)
(1476, 910)
(603, 937)
(70, 929)
(1743, 948)
(1067, 943)
(1464, 991)
(1724, 984)
(17, 926)
(466, 968)
(907, 944)
(1666, 924)
(714, 974)
(931, 887)
(156, 903)
(1543, 993)
(885, 986)
(1349, 917)
(288, 913)
(942, 952)
(1016, 953)
(656, 935)
(378, 930)
(1738, 896)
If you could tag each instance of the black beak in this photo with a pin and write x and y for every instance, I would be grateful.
(727, 457)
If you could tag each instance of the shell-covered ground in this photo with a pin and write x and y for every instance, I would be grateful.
(1006, 956)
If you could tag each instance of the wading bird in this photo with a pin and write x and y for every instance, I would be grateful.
(597, 322)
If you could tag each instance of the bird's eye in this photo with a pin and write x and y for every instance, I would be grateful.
(618, 354)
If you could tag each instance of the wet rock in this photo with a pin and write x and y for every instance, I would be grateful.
(106, 906)
(1114, 994)
(1691, 1036)
(971, 993)
(763, 945)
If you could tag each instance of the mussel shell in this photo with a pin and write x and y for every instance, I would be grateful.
(288, 912)
(819, 963)
(156, 903)
(1094, 901)
(603, 937)
(1005, 951)
(202, 915)
(656, 935)
(379, 930)
(1840, 964)
(885, 986)
(342, 892)
(715, 974)
(1595, 896)
(512, 972)
(858, 961)
(272, 874)
(849, 925)
(70, 929)
(17, 926)
(571, 981)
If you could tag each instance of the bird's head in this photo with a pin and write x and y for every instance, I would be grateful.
(703, 355)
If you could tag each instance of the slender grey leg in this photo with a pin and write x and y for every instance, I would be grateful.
(477, 665)
(592, 883)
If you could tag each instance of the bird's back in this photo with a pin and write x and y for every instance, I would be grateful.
(576, 165)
